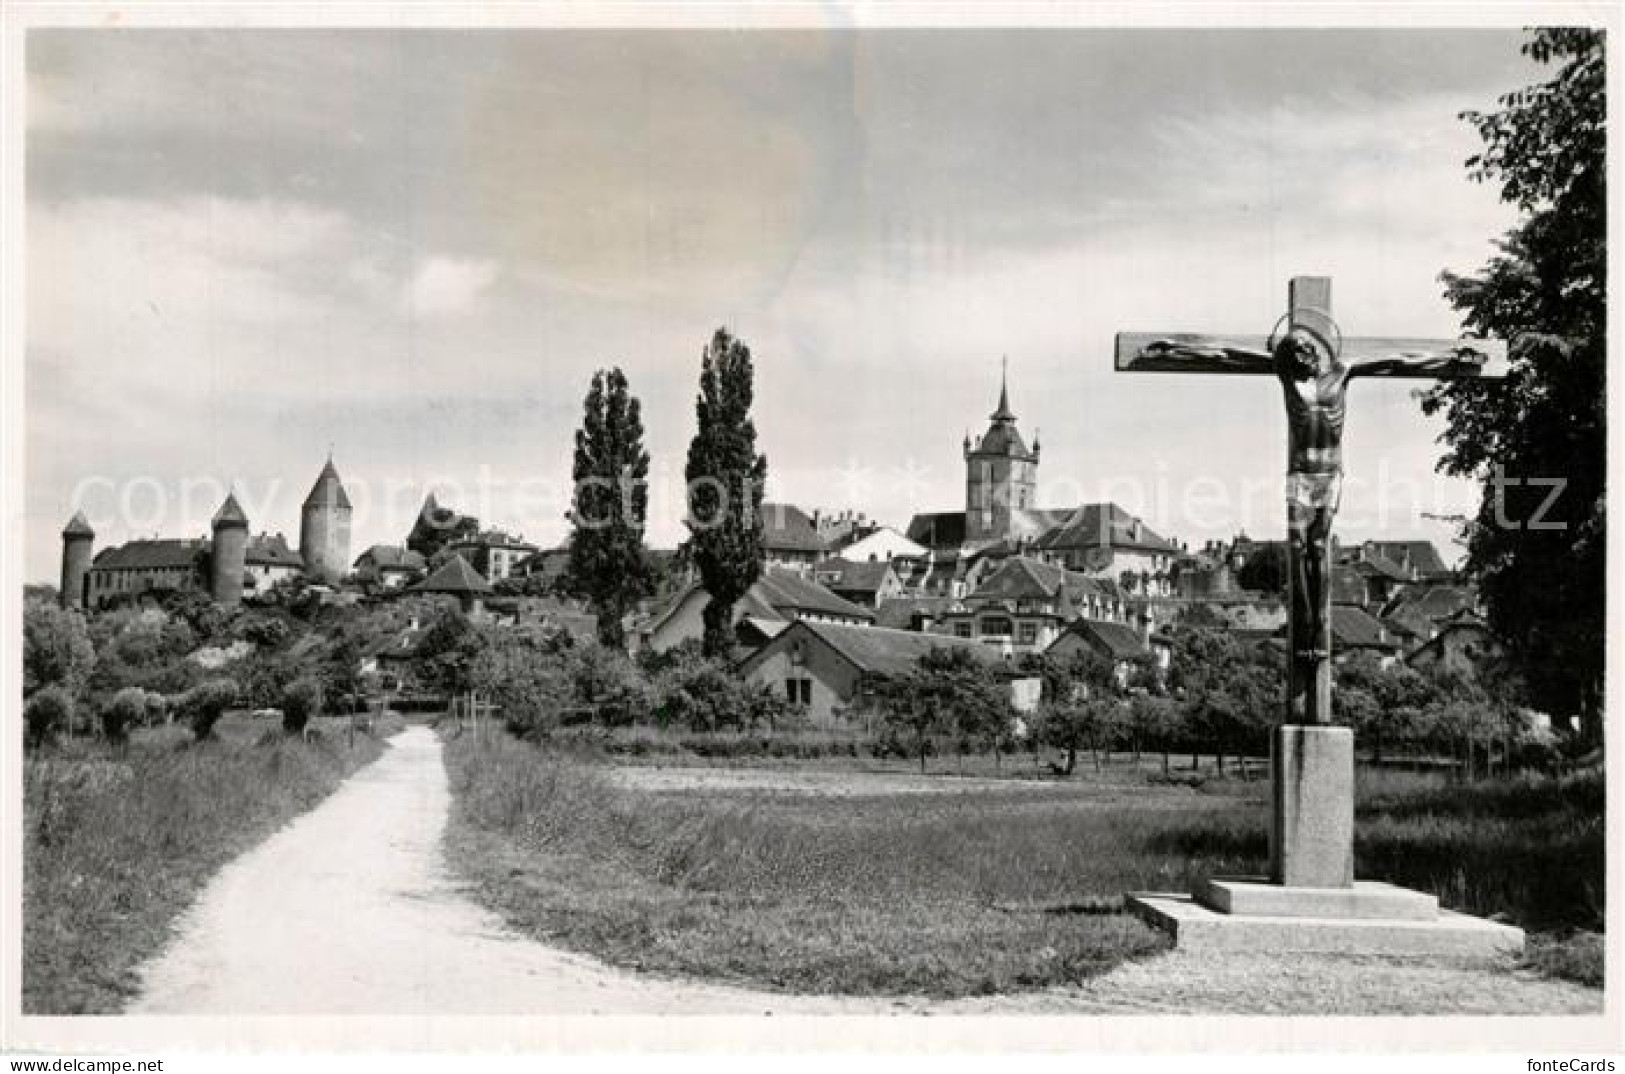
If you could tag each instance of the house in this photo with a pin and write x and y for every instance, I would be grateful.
(1023, 605)
(1354, 630)
(911, 612)
(1419, 611)
(548, 564)
(268, 560)
(1120, 643)
(147, 565)
(865, 584)
(390, 566)
(789, 537)
(456, 578)
(1463, 644)
(879, 544)
(779, 595)
(830, 669)
(493, 553)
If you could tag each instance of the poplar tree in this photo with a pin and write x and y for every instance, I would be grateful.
(725, 478)
(608, 563)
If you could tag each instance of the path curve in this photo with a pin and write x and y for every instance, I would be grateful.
(350, 910)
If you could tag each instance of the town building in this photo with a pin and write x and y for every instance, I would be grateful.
(831, 669)
(789, 537)
(865, 584)
(390, 566)
(1024, 604)
(493, 553)
(779, 596)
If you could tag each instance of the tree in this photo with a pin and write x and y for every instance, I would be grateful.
(1539, 564)
(527, 683)
(46, 712)
(1076, 701)
(205, 703)
(1265, 569)
(608, 563)
(949, 691)
(301, 700)
(436, 527)
(725, 478)
(124, 710)
(56, 648)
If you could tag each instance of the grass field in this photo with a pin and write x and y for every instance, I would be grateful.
(118, 842)
(963, 892)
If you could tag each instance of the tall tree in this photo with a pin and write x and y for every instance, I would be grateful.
(1538, 440)
(725, 478)
(608, 562)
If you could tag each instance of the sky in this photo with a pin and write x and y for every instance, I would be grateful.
(248, 248)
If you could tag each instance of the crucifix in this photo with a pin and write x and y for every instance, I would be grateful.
(1312, 834)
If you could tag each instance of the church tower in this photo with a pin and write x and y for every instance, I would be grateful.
(324, 528)
(1000, 474)
(78, 545)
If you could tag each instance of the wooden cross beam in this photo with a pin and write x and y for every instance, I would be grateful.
(1314, 364)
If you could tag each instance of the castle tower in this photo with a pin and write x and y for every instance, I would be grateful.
(324, 528)
(1000, 474)
(227, 556)
(78, 545)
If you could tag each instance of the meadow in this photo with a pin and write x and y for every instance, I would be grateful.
(118, 841)
(965, 892)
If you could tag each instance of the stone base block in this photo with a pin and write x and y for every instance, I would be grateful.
(1366, 900)
(1196, 927)
(1312, 823)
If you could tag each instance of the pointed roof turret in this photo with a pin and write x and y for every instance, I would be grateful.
(78, 527)
(328, 491)
(1003, 413)
(454, 576)
(230, 513)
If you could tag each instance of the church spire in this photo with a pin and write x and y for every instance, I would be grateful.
(1004, 413)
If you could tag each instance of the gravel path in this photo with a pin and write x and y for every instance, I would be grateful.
(349, 910)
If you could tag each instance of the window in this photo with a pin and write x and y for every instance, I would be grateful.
(996, 626)
(798, 691)
(1029, 633)
(961, 630)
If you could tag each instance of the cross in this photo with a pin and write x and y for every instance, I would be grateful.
(1313, 363)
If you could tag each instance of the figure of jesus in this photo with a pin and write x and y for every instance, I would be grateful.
(1314, 381)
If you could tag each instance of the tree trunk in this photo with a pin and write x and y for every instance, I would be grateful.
(1165, 762)
(1071, 757)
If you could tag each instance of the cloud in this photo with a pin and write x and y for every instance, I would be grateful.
(445, 286)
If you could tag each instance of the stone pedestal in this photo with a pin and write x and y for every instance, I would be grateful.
(1312, 819)
(1310, 903)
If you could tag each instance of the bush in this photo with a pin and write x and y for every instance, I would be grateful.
(46, 713)
(205, 703)
(126, 709)
(301, 700)
(706, 695)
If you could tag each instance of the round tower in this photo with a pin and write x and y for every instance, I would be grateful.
(324, 528)
(78, 545)
(228, 554)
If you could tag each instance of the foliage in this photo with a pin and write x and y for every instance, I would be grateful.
(45, 713)
(301, 699)
(608, 684)
(725, 478)
(1265, 570)
(524, 677)
(145, 648)
(57, 649)
(608, 562)
(949, 691)
(702, 694)
(445, 655)
(1230, 690)
(1546, 291)
(436, 529)
(126, 709)
(1078, 703)
(204, 704)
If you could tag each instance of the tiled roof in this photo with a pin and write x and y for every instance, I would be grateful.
(271, 550)
(851, 577)
(879, 651)
(898, 612)
(1355, 628)
(230, 513)
(391, 557)
(78, 527)
(1420, 556)
(941, 529)
(1022, 577)
(1119, 640)
(1097, 525)
(328, 491)
(454, 576)
(1001, 438)
(494, 539)
(1348, 586)
(154, 554)
(787, 591)
(1431, 601)
(787, 528)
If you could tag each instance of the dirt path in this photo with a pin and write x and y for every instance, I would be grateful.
(349, 911)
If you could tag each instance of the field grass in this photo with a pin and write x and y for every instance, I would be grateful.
(118, 843)
(963, 892)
